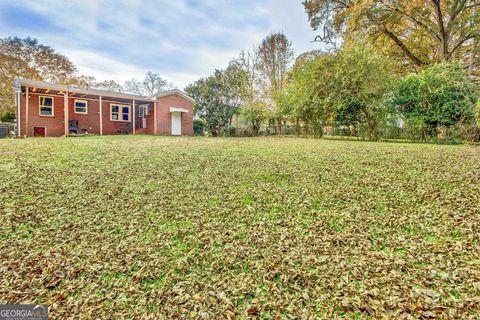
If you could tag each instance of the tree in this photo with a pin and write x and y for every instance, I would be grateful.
(85, 81)
(219, 97)
(349, 86)
(151, 85)
(253, 109)
(28, 59)
(275, 55)
(109, 85)
(425, 31)
(304, 97)
(439, 96)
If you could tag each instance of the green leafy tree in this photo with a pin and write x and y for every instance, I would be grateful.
(350, 85)
(351, 115)
(219, 97)
(441, 95)
(305, 98)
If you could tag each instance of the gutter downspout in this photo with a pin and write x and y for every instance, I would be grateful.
(18, 94)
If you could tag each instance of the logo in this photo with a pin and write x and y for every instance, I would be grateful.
(23, 312)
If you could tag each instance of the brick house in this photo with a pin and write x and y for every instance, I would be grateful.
(53, 110)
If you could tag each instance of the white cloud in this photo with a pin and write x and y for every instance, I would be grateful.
(182, 40)
(102, 67)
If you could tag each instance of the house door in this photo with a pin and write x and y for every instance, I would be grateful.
(176, 123)
(39, 132)
(142, 113)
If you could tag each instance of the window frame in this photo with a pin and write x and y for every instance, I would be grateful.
(75, 106)
(40, 106)
(120, 112)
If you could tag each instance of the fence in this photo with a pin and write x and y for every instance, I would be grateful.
(470, 133)
(7, 130)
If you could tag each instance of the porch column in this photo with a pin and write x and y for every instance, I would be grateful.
(155, 124)
(18, 94)
(133, 116)
(27, 102)
(65, 106)
(101, 115)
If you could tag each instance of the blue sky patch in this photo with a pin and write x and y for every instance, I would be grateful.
(182, 40)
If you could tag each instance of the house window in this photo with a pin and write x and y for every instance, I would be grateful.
(46, 106)
(119, 112)
(81, 106)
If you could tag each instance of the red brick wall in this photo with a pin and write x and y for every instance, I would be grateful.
(165, 117)
(113, 127)
(91, 121)
(55, 125)
(150, 122)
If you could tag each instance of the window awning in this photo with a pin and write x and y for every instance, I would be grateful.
(175, 109)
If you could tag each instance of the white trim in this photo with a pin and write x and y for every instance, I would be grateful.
(120, 113)
(75, 106)
(18, 83)
(70, 97)
(18, 94)
(175, 109)
(134, 117)
(44, 127)
(100, 111)
(40, 106)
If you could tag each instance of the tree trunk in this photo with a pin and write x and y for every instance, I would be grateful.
(441, 28)
(472, 57)
(371, 126)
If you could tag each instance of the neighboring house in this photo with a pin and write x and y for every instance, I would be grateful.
(53, 110)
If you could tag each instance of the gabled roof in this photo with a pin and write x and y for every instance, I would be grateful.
(18, 83)
(173, 92)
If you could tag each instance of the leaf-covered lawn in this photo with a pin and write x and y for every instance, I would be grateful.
(138, 227)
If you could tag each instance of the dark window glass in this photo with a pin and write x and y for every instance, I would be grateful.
(48, 102)
(46, 111)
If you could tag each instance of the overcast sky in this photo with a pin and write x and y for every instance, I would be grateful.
(182, 40)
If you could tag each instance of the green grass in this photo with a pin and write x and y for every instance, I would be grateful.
(131, 227)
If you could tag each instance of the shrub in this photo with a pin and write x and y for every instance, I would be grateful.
(229, 132)
(439, 97)
(7, 116)
(199, 127)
